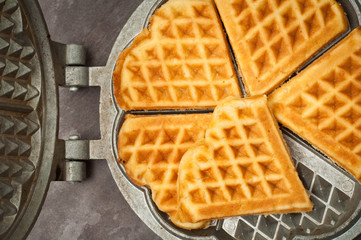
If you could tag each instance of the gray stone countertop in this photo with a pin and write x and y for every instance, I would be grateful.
(95, 208)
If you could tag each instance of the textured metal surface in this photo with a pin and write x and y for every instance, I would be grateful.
(27, 116)
(335, 193)
(19, 121)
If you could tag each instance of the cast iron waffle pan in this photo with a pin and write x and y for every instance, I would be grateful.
(335, 193)
(31, 68)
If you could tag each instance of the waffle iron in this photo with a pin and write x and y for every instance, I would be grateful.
(32, 68)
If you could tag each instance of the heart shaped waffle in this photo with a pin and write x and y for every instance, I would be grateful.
(182, 61)
(323, 103)
(241, 167)
(151, 147)
(271, 39)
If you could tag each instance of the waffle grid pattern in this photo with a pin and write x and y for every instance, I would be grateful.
(329, 211)
(330, 103)
(249, 172)
(152, 154)
(19, 123)
(333, 103)
(271, 34)
(15, 82)
(182, 62)
(238, 164)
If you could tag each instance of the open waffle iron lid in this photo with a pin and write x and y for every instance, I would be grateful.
(32, 67)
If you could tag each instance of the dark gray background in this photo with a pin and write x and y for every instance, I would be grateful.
(93, 209)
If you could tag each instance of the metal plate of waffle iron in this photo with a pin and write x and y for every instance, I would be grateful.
(29, 150)
(28, 115)
(335, 193)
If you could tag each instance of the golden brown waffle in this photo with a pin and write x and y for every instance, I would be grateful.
(181, 62)
(243, 167)
(323, 103)
(151, 147)
(272, 38)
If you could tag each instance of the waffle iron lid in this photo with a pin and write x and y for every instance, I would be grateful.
(31, 68)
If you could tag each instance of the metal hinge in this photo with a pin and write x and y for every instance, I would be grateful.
(76, 152)
(73, 74)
